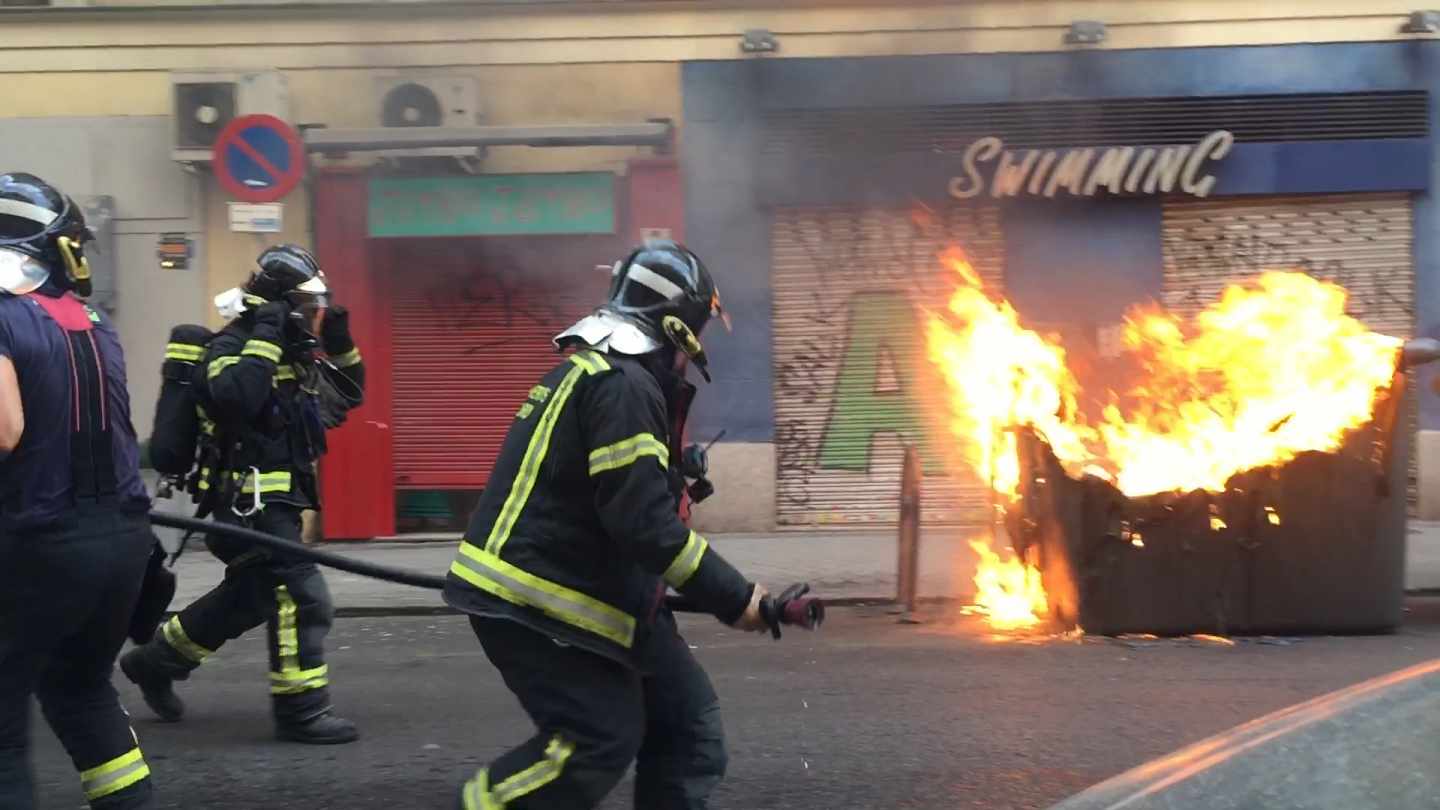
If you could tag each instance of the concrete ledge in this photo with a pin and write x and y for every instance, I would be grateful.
(744, 500)
(1422, 556)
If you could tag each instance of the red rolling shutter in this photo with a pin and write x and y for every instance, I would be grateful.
(471, 331)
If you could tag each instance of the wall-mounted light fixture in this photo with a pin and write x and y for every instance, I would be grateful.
(1422, 22)
(759, 40)
(1085, 32)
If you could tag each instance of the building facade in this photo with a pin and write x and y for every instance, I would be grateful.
(796, 171)
(1080, 184)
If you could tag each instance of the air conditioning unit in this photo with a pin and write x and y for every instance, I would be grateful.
(204, 102)
(430, 101)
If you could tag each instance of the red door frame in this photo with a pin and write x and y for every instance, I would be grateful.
(357, 481)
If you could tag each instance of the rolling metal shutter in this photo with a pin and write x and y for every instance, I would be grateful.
(1360, 241)
(469, 343)
(849, 356)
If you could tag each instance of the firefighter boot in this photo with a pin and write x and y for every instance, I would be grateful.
(322, 729)
(154, 667)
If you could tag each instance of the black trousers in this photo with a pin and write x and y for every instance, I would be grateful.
(288, 596)
(66, 597)
(594, 717)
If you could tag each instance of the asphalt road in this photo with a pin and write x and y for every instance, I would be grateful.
(864, 714)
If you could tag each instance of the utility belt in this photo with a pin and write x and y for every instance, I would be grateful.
(234, 477)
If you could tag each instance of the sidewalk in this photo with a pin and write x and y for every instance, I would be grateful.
(838, 565)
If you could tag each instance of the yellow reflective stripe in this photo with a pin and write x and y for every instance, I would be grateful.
(291, 679)
(477, 792)
(286, 372)
(115, 775)
(598, 360)
(269, 482)
(184, 351)
(348, 359)
(580, 359)
(219, 364)
(263, 348)
(685, 563)
(627, 452)
(287, 639)
(540, 393)
(493, 575)
(534, 454)
(538, 775)
(290, 682)
(177, 638)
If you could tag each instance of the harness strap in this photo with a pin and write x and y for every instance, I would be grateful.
(92, 465)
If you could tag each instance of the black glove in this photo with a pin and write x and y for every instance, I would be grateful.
(272, 315)
(335, 331)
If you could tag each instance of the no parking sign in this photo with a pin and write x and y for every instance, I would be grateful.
(259, 158)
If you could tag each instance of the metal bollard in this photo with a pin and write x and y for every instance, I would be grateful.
(908, 568)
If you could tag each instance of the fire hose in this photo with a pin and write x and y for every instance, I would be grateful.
(793, 606)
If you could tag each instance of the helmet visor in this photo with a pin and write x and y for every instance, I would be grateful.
(310, 310)
(22, 222)
(21, 273)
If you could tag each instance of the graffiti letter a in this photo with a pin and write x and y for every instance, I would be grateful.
(875, 389)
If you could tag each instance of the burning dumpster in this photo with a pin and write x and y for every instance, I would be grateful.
(1250, 478)
(1316, 544)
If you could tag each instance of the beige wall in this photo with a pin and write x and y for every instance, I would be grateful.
(563, 63)
(414, 34)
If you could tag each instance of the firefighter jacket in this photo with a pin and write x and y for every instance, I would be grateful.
(263, 412)
(577, 534)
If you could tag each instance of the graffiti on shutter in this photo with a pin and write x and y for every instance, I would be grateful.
(471, 334)
(1360, 241)
(853, 386)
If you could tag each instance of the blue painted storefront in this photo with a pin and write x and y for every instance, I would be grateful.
(1095, 254)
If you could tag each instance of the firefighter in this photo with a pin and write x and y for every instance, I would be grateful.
(267, 399)
(75, 538)
(566, 560)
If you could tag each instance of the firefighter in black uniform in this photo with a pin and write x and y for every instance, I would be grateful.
(566, 560)
(268, 400)
(74, 536)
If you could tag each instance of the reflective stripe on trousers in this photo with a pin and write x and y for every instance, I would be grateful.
(115, 775)
(479, 795)
(291, 679)
(178, 639)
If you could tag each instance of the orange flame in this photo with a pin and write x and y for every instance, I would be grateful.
(1273, 369)
(1007, 590)
(999, 375)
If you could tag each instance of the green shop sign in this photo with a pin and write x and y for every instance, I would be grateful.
(493, 205)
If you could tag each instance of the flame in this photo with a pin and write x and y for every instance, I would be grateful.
(1273, 369)
(999, 375)
(1007, 590)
